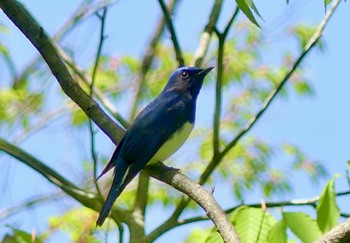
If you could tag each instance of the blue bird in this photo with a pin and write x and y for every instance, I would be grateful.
(157, 132)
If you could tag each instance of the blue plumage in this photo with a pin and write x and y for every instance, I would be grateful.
(157, 132)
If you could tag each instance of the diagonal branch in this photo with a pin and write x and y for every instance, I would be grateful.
(147, 60)
(45, 171)
(216, 10)
(205, 36)
(82, 12)
(308, 47)
(339, 234)
(141, 197)
(171, 28)
(85, 81)
(203, 198)
(85, 198)
(37, 36)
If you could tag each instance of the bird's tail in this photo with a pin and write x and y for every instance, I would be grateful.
(117, 187)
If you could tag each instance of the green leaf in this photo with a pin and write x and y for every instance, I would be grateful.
(302, 87)
(303, 226)
(327, 209)
(251, 4)
(214, 237)
(326, 2)
(278, 233)
(77, 223)
(198, 235)
(252, 224)
(20, 236)
(79, 118)
(242, 4)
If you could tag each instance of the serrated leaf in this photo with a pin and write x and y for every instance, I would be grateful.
(252, 224)
(303, 226)
(246, 10)
(278, 233)
(327, 209)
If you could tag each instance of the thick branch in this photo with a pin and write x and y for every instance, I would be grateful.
(37, 36)
(203, 198)
(45, 171)
(85, 198)
(339, 234)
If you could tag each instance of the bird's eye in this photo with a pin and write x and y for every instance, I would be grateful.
(184, 74)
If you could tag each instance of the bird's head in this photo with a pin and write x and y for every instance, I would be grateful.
(187, 79)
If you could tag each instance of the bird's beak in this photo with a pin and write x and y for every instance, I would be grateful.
(205, 71)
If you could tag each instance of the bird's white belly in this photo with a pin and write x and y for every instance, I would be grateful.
(173, 144)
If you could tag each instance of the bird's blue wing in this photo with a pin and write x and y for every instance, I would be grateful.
(153, 126)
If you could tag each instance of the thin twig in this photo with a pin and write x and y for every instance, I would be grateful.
(171, 28)
(86, 80)
(44, 120)
(28, 204)
(147, 60)
(44, 170)
(206, 35)
(218, 96)
(141, 197)
(82, 12)
(311, 43)
(184, 201)
(38, 37)
(85, 198)
(218, 91)
(94, 72)
(291, 203)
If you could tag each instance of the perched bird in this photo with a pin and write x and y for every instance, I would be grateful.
(157, 132)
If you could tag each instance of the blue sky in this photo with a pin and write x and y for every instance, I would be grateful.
(318, 124)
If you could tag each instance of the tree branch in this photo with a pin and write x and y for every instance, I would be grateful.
(339, 234)
(147, 60)
(171, 28)
(84, 79)
(308, 47)
(29, 204)
(37, 36)
(140, 201)
(205, 36)
(45, 171)
(203, 198)
(83, 11)
(93, 78)
(85, 198)
(211, 27)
